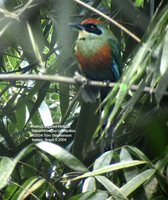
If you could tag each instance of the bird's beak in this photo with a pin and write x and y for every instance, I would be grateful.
(77, 26)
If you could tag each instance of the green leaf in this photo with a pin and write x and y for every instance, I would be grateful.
(34, 90)
(163, 83)
(132, 172)
(161, 87)
(89, 185)
(111, 187)
(139, 154)
(103, 160)
(110, 168)
(28, 187)
(62, 155)
(10, 191)
(129, 173)
(8, 109)
(96, 195)
(139, 3)
(7, 166)
(41, 95)
(45, 114)
(135, 182)
(21, 117)
(136, 68)
(129, 105)
(162, 163)
(164, 62)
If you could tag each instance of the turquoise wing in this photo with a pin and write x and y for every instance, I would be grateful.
(116, 55)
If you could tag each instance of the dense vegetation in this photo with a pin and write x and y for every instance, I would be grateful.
(52, 144)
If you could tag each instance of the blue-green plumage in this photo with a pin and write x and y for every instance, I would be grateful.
(98, 53)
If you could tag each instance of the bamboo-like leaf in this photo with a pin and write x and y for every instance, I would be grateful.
(7, 166)
(45, 114)
(111, 187)
(96, 195)
(41, 95)
(34, 90)
(164, 62)
(21, 117)
(139, 3)
(89, 185)
(6, 135)
(10, 191)
(103, 160)
(62, 155)
(139, 154)
(162, 182)
(135, 182)
(161, 87)
(129, 105)
(8, 109)
(132, 172)
(151, 187)
(128, 173)
(34, 44)
(163, 82)
(137, 66)
(28, 187)
(110, 168)
(128, 79)
(162, 163)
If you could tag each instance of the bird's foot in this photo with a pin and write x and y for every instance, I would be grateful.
(107, 83)
(80, 79)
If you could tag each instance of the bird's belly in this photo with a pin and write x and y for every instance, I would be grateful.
(97, 66)
(96, 72)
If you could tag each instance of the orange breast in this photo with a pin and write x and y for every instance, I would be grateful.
(97, 65)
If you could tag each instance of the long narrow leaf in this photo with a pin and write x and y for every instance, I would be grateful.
(111, 168)
(62, 155)
(112, 188)
(135, 182)
(7, 166)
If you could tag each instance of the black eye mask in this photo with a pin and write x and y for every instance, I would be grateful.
(92, 28)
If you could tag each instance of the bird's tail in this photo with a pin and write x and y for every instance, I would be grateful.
(90, 94)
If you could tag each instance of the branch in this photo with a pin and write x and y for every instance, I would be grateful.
(69, 80)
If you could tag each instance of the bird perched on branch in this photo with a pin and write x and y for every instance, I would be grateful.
(98, 52)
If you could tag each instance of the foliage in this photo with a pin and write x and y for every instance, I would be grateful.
(79, 159)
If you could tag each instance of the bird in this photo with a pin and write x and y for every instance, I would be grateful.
(98, 52)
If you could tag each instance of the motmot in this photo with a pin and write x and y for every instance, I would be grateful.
(99, 56)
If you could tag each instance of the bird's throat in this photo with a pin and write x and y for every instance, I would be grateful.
(88, 47)
(82, 35)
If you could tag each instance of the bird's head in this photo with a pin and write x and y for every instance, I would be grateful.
(90, 29)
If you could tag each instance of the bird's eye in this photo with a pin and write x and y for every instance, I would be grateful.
(92, 28)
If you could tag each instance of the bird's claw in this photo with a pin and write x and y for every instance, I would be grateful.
(107, 83)
(79, 78)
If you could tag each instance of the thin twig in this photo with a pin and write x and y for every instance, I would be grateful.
(110, 19)
(70, 80)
